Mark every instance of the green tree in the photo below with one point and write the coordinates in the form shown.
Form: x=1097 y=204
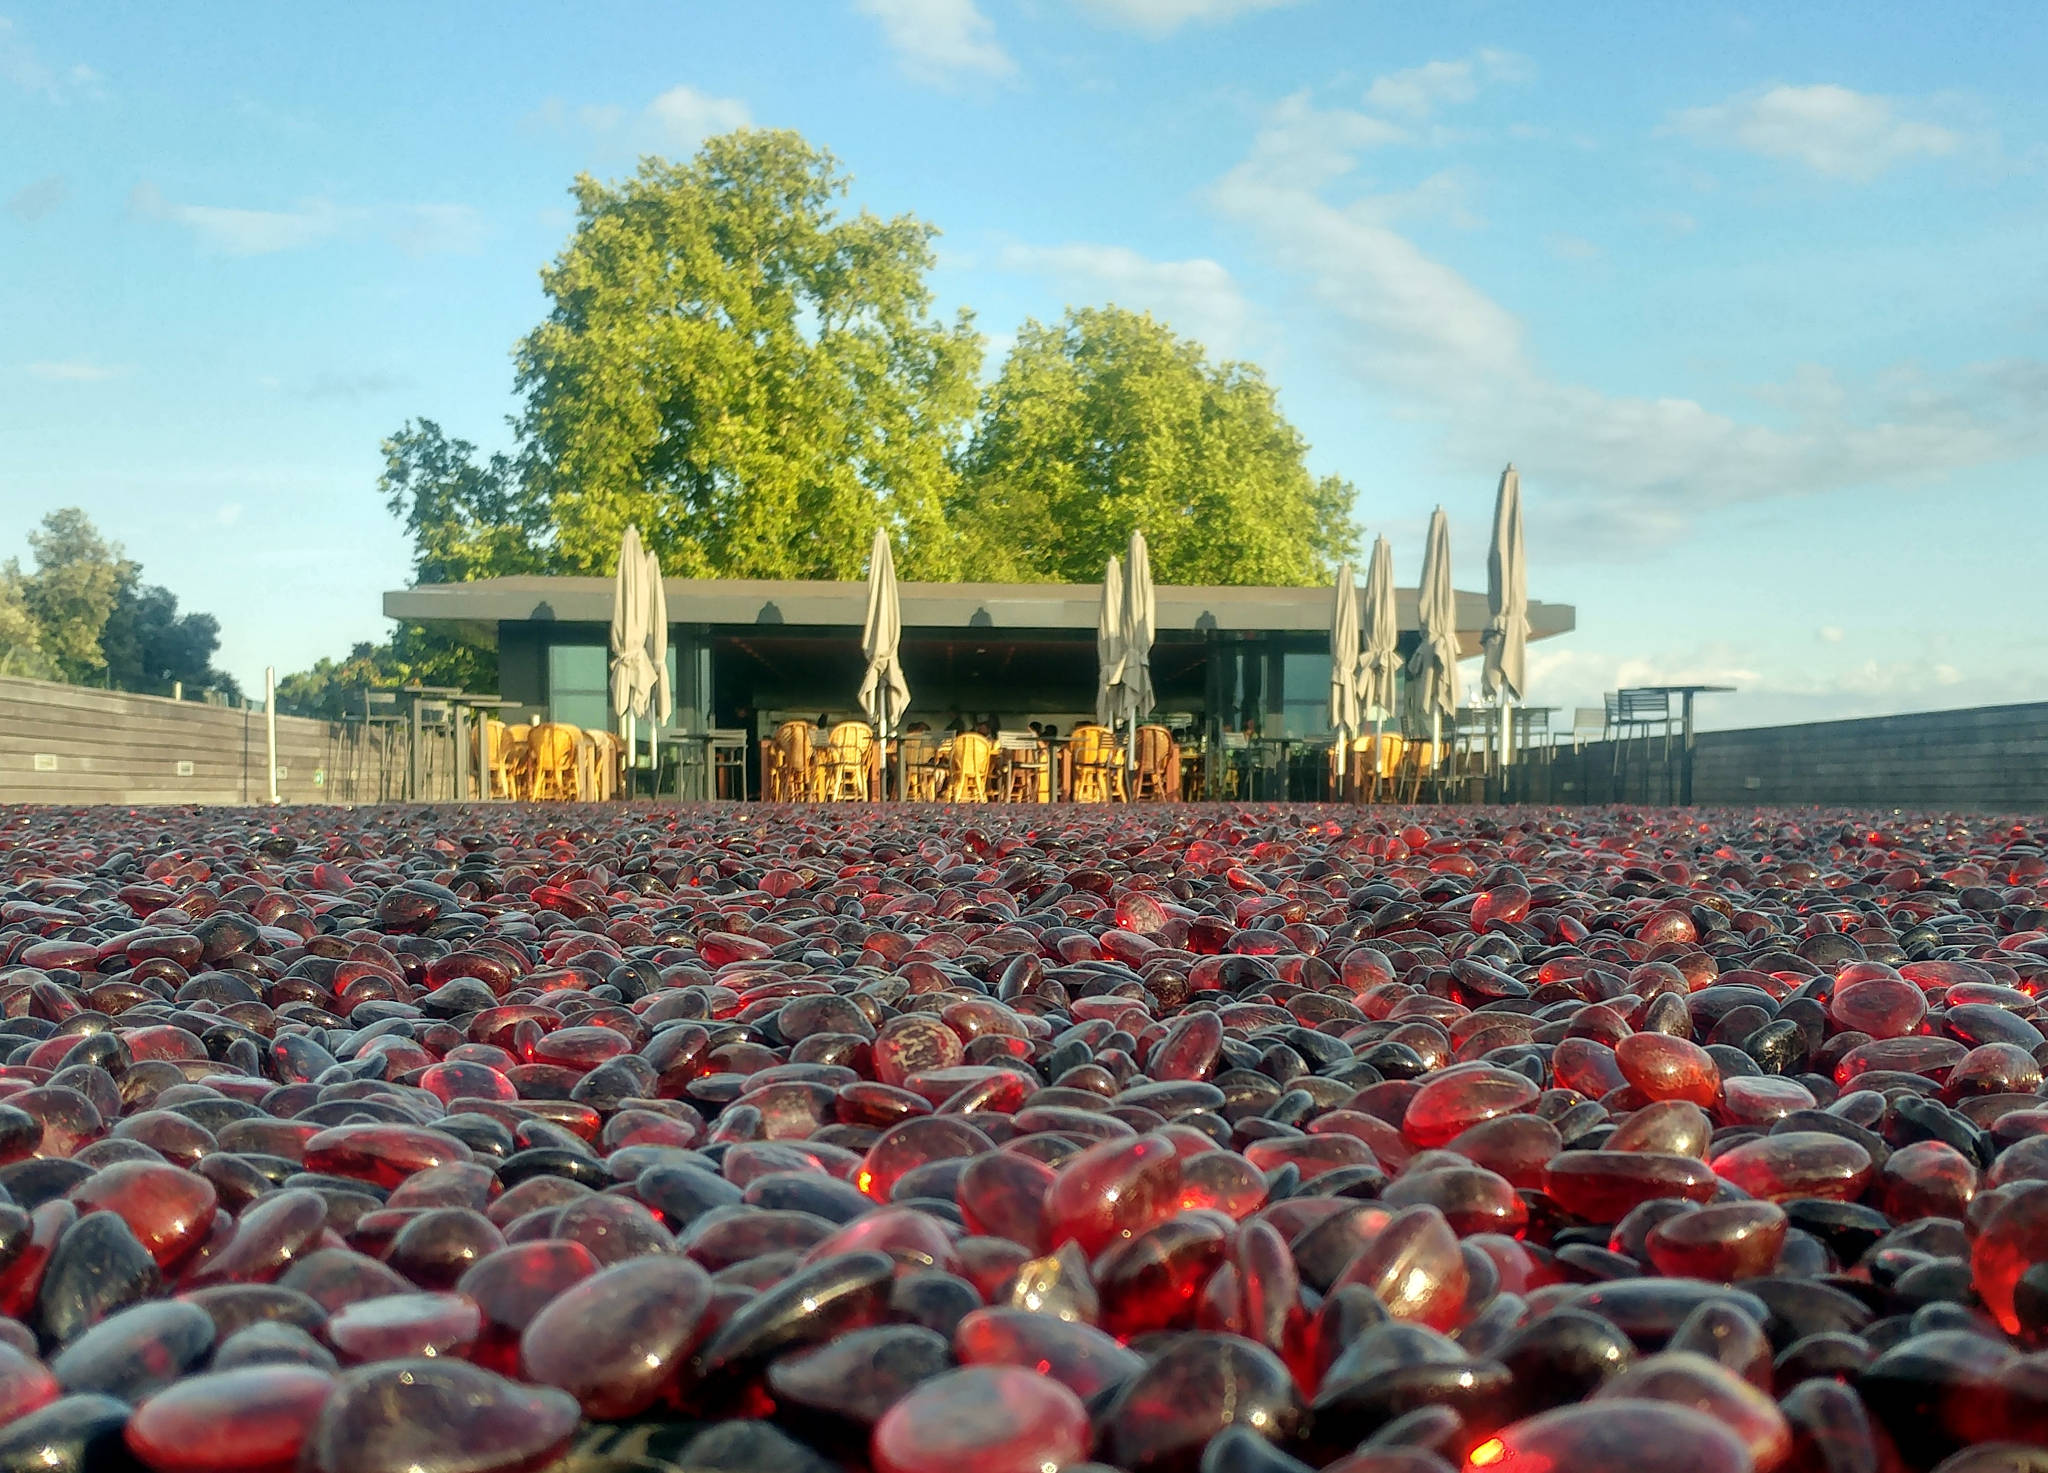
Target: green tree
x=77 y=580
x=150 y=647
x=467 y=517
x=21 y=649
x=750 y=377
x=1110 y=422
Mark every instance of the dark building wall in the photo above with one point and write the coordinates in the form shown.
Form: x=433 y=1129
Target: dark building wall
x=523 y=662
x=1991 y=759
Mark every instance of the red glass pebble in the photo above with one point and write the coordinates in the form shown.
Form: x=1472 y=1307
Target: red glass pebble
x=994 y=1419
x=253 y=1420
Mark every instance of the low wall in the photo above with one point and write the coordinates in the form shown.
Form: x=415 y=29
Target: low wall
x=1984 y=759
x=70 y=744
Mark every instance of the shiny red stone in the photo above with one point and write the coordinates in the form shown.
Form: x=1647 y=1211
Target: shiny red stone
x=169 y=1210
x=1414 y=1266
x=617 y=1340
x=992 y=1418
x=1605 y=1186
x=1080 y=1357
x=1668 y=1068
x=1778 y=1168
x=1733 y=1240
x=1112 y=1191
x=252 y=1420
x=1459 y=1098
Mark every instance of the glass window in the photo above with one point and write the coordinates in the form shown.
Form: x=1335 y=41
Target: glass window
x=1305 y=694
x=580 y=685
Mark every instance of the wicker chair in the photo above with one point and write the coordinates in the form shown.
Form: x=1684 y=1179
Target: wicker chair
x=1157 y=773
x=849 y=759
x=795 y=763
x=554 y=747
x=973 y=754
x=924 y=777
x=1024 y=766
x=1098 y=765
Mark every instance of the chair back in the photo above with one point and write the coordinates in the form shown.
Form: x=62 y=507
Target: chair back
x=1092 y=745
x=795 y=759
x=1611 y=711
x=850 y=741
x=555 y=746
x=1644 y=705
x=972 y=754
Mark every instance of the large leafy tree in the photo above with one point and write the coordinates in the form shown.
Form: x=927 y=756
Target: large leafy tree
x=77 y=579
x=150 y=647
x=21 y=639
x=751 y=377
x=1107 y=422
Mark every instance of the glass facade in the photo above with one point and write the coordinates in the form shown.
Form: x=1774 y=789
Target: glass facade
x=579 y=685
x=1305 y=694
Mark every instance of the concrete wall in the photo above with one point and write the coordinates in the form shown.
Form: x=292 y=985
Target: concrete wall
x=1984 y=759
x=69 y=744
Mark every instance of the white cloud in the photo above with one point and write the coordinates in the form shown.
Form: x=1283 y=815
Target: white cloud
x=1831 y=634
x=1163 y=17
x=76 y=371
x=1196 y=297
x=1420 y=91
x=228 y=513
x=241 y=232
x=430 y=230
x=681 y=117
x=1620 y=469
x=1832 y=130
x=1768 y=691
x=33 y=201
x=23 y=68
x=941 y=42
x=418 y=230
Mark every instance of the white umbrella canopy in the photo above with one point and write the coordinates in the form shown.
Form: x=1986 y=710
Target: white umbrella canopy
x=1109 y=644
x=1506 y=641
x=1344 y=664
x=1433 y=689
x=884 y=693
x=1141 y=620
x=662 y=698
x=1379 y=662
x=632 y=670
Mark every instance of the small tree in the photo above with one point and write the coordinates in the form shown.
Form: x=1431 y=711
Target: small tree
x=1109 y=421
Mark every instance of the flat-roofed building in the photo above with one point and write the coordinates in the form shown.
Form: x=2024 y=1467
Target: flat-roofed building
x=748 y=653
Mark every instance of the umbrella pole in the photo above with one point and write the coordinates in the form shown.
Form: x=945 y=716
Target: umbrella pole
x=1436 y=752
x=653 y=756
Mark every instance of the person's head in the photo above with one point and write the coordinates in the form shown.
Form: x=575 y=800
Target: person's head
x=823 y=719
x=1051 y=732
x=916 y=727
x=1037 y=730
x=982 y=727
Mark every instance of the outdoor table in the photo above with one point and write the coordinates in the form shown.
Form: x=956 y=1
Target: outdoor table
x=1685 y=693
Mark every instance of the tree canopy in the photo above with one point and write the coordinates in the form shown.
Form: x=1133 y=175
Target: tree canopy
x=84 y=615
x=1109 y=422
x=758 y=378
x=753 y=379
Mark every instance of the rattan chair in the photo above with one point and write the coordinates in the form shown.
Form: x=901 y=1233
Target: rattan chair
x=849 y=756
x=1024 y=766
x=1157 y=772
x=554 y=747
x=795 y=762
x=1098 y=765
x=973 y=754
x=924 y=774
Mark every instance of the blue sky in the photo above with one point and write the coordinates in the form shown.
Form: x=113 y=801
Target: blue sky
x=1755 y=300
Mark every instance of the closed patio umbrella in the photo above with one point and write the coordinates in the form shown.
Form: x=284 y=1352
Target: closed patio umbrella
x=632 y=669
x=661 y=698
x=884 y=693
x=1506 y=640
x=1379 y=661
x=1433 y=669
x=1344 y=667
x=1141 y=617
x=1109 y=645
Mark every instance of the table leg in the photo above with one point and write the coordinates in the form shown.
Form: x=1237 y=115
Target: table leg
x=1685 y=750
